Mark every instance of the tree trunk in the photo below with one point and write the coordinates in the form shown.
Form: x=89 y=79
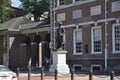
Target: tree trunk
x=36 y=18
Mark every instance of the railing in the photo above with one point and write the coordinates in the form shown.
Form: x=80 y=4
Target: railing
x=72 y=73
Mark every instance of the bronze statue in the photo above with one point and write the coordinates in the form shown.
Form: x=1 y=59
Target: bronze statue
x=60 y=37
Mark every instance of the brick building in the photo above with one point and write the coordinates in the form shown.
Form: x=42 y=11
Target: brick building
x=92 y=30
x=24 y=42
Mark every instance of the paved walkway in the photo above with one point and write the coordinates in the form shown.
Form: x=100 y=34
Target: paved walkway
x=36 y=76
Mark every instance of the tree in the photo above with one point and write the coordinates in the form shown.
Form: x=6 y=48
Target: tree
x=5 y=9
x=36 y=7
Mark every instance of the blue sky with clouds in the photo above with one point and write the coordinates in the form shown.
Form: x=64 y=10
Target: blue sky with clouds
x=16 y=3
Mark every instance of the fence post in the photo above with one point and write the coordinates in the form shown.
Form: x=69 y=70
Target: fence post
x=18 y=73
x=112 y=75
x=56 y=74
x=29 y=73
x=42 y=71
x=90 y=75
x=72 y=74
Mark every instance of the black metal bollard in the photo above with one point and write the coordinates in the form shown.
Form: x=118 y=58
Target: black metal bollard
x=72 y=74
x=18 y=71
x=90 y=75
x=56 y=74
x=42 y=71
x=29 y=73
x=112 y=75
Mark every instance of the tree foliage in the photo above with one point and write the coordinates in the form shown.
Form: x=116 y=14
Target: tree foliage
x=5 y=9
x=36 y=7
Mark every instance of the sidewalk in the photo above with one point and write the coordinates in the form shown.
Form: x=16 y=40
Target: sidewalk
x=36 y=76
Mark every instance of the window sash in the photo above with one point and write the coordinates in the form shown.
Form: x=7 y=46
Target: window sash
x=79 y=0
x=116 y=38
x=77 y=14
x=96 y=40
x=78 y=42
x=61 y=2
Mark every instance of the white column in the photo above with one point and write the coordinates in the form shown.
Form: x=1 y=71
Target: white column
x=6 y=53
x=40 y=55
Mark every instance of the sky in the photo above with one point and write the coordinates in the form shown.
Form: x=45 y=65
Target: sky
x=16 y=3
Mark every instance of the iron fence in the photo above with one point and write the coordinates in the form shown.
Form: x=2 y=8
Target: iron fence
x=90 y=73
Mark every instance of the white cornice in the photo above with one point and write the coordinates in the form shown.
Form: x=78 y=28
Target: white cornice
x=73 y=4
x=89 y=22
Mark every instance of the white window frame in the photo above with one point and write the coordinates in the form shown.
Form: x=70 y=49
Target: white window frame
x=96 y=65
x=95 y=10
x=78 y=1
x=61 y=17
x=92 y=45
x=78 y=13
x=115 y=6
x=113 y=38
x=75 y=43
x=78 y=65
x=58 y=3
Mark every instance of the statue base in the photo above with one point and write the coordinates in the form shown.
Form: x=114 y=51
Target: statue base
x=59 y=62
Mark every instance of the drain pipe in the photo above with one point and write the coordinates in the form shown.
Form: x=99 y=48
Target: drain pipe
x=106 y=36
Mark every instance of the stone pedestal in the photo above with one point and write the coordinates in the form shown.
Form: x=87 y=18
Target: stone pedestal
x=59 y=62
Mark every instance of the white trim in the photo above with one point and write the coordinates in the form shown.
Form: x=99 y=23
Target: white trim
x=115 y=6
x=113 y=46
x=72 y=4
x=95 y=10
x=77 y=14
x=96 y=65
x=74 y=49
x=113 y=37
x=88 y=22
x=58 y=4
x=58 y=1
x=61 y=17
x=92 y=48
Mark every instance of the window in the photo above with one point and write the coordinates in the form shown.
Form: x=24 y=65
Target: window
x=115 y=6
x=116 y=38
x=61 y=17
x=78 y=41
x=96 y=67
x=95 y=10
x=61 y=2
x=79 y=0
x=77 y=67
x=77 y=14
x=96 y=40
